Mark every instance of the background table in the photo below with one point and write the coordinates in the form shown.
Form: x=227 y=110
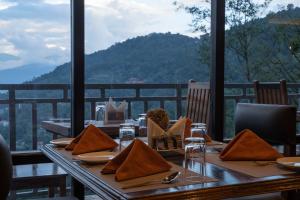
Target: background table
x=64 y=128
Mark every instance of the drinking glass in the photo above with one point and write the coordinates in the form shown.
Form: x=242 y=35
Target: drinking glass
x=194 y=158
x=142 y=125
x=100 y=111
x=198 y=129
x=126 y=133
x=88 y=122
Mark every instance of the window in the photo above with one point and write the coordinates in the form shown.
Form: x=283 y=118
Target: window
x=35 y=50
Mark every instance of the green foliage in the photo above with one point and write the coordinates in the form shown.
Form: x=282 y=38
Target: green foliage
x=140 y=59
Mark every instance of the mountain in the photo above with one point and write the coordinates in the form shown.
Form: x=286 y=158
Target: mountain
x=23 y=73
x=175 y=58
x=154 y=58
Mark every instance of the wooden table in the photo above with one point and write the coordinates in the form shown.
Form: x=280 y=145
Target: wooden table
x=230 y=183
x=64 y=128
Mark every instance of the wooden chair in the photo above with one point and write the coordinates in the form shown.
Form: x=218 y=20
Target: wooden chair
x=198 y=102
x=271 y=93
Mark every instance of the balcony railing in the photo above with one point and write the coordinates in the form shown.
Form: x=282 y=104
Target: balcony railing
x=159 y=95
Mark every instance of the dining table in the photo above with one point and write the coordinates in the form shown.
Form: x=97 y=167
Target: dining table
x=62 y=128
x=223 y=179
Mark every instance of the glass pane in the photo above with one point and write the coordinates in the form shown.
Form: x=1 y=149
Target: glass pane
x=145 y=52
x=262 y=43
x=34 y=56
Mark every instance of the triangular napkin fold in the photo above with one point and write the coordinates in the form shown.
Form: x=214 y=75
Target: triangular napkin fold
x=111 y=106
x=90 y=140
x=247 y=146
x=137 y=160
x=71 y=146
x=187 y=129
x=154 y=131
x=177 y=128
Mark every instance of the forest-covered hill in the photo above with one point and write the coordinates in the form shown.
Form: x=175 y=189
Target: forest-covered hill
x=255 y=50
x=156 y=57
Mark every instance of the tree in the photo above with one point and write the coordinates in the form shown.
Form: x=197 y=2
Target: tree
x=284 y=57
x=241 y=16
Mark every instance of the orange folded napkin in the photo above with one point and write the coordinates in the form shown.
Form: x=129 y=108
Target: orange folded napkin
x=137 y=160
x=91 y=139
x=187 y=131
x=71 y=146
x=247 y=146
x=207 y=138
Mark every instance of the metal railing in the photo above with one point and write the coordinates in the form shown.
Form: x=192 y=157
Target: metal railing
x=144 y=93
x=11 y=99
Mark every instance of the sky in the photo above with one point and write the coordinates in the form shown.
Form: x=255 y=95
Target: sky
x=38 y=31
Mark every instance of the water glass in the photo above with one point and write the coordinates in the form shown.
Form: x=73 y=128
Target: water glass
x=198 y=129
x=88 y=122
x=100 y=111
x=126 y=133
x=142 y=125
x=194 y=158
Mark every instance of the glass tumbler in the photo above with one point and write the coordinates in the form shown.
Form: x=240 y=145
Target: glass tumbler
x=142 y=125
x=194 y=159
x=126 y=133
x=198 y=129
x=100 y=111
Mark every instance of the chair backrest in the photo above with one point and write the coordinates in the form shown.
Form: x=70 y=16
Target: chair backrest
x=271 y=93
x=274 y=123
x=5 y=169
x=198 y=102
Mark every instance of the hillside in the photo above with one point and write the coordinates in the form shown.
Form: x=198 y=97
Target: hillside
x=177 y=58
x=23 y=73
x=174 y=56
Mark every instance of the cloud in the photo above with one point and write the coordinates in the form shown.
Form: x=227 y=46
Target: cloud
x=8 y=47
x=57 y=2
x=27 y=29
x=5 y=5
x=117 y=20
x=38 y=31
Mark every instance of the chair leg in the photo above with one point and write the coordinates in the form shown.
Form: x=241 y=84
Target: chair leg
x=62 y=187
x=51 y=191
